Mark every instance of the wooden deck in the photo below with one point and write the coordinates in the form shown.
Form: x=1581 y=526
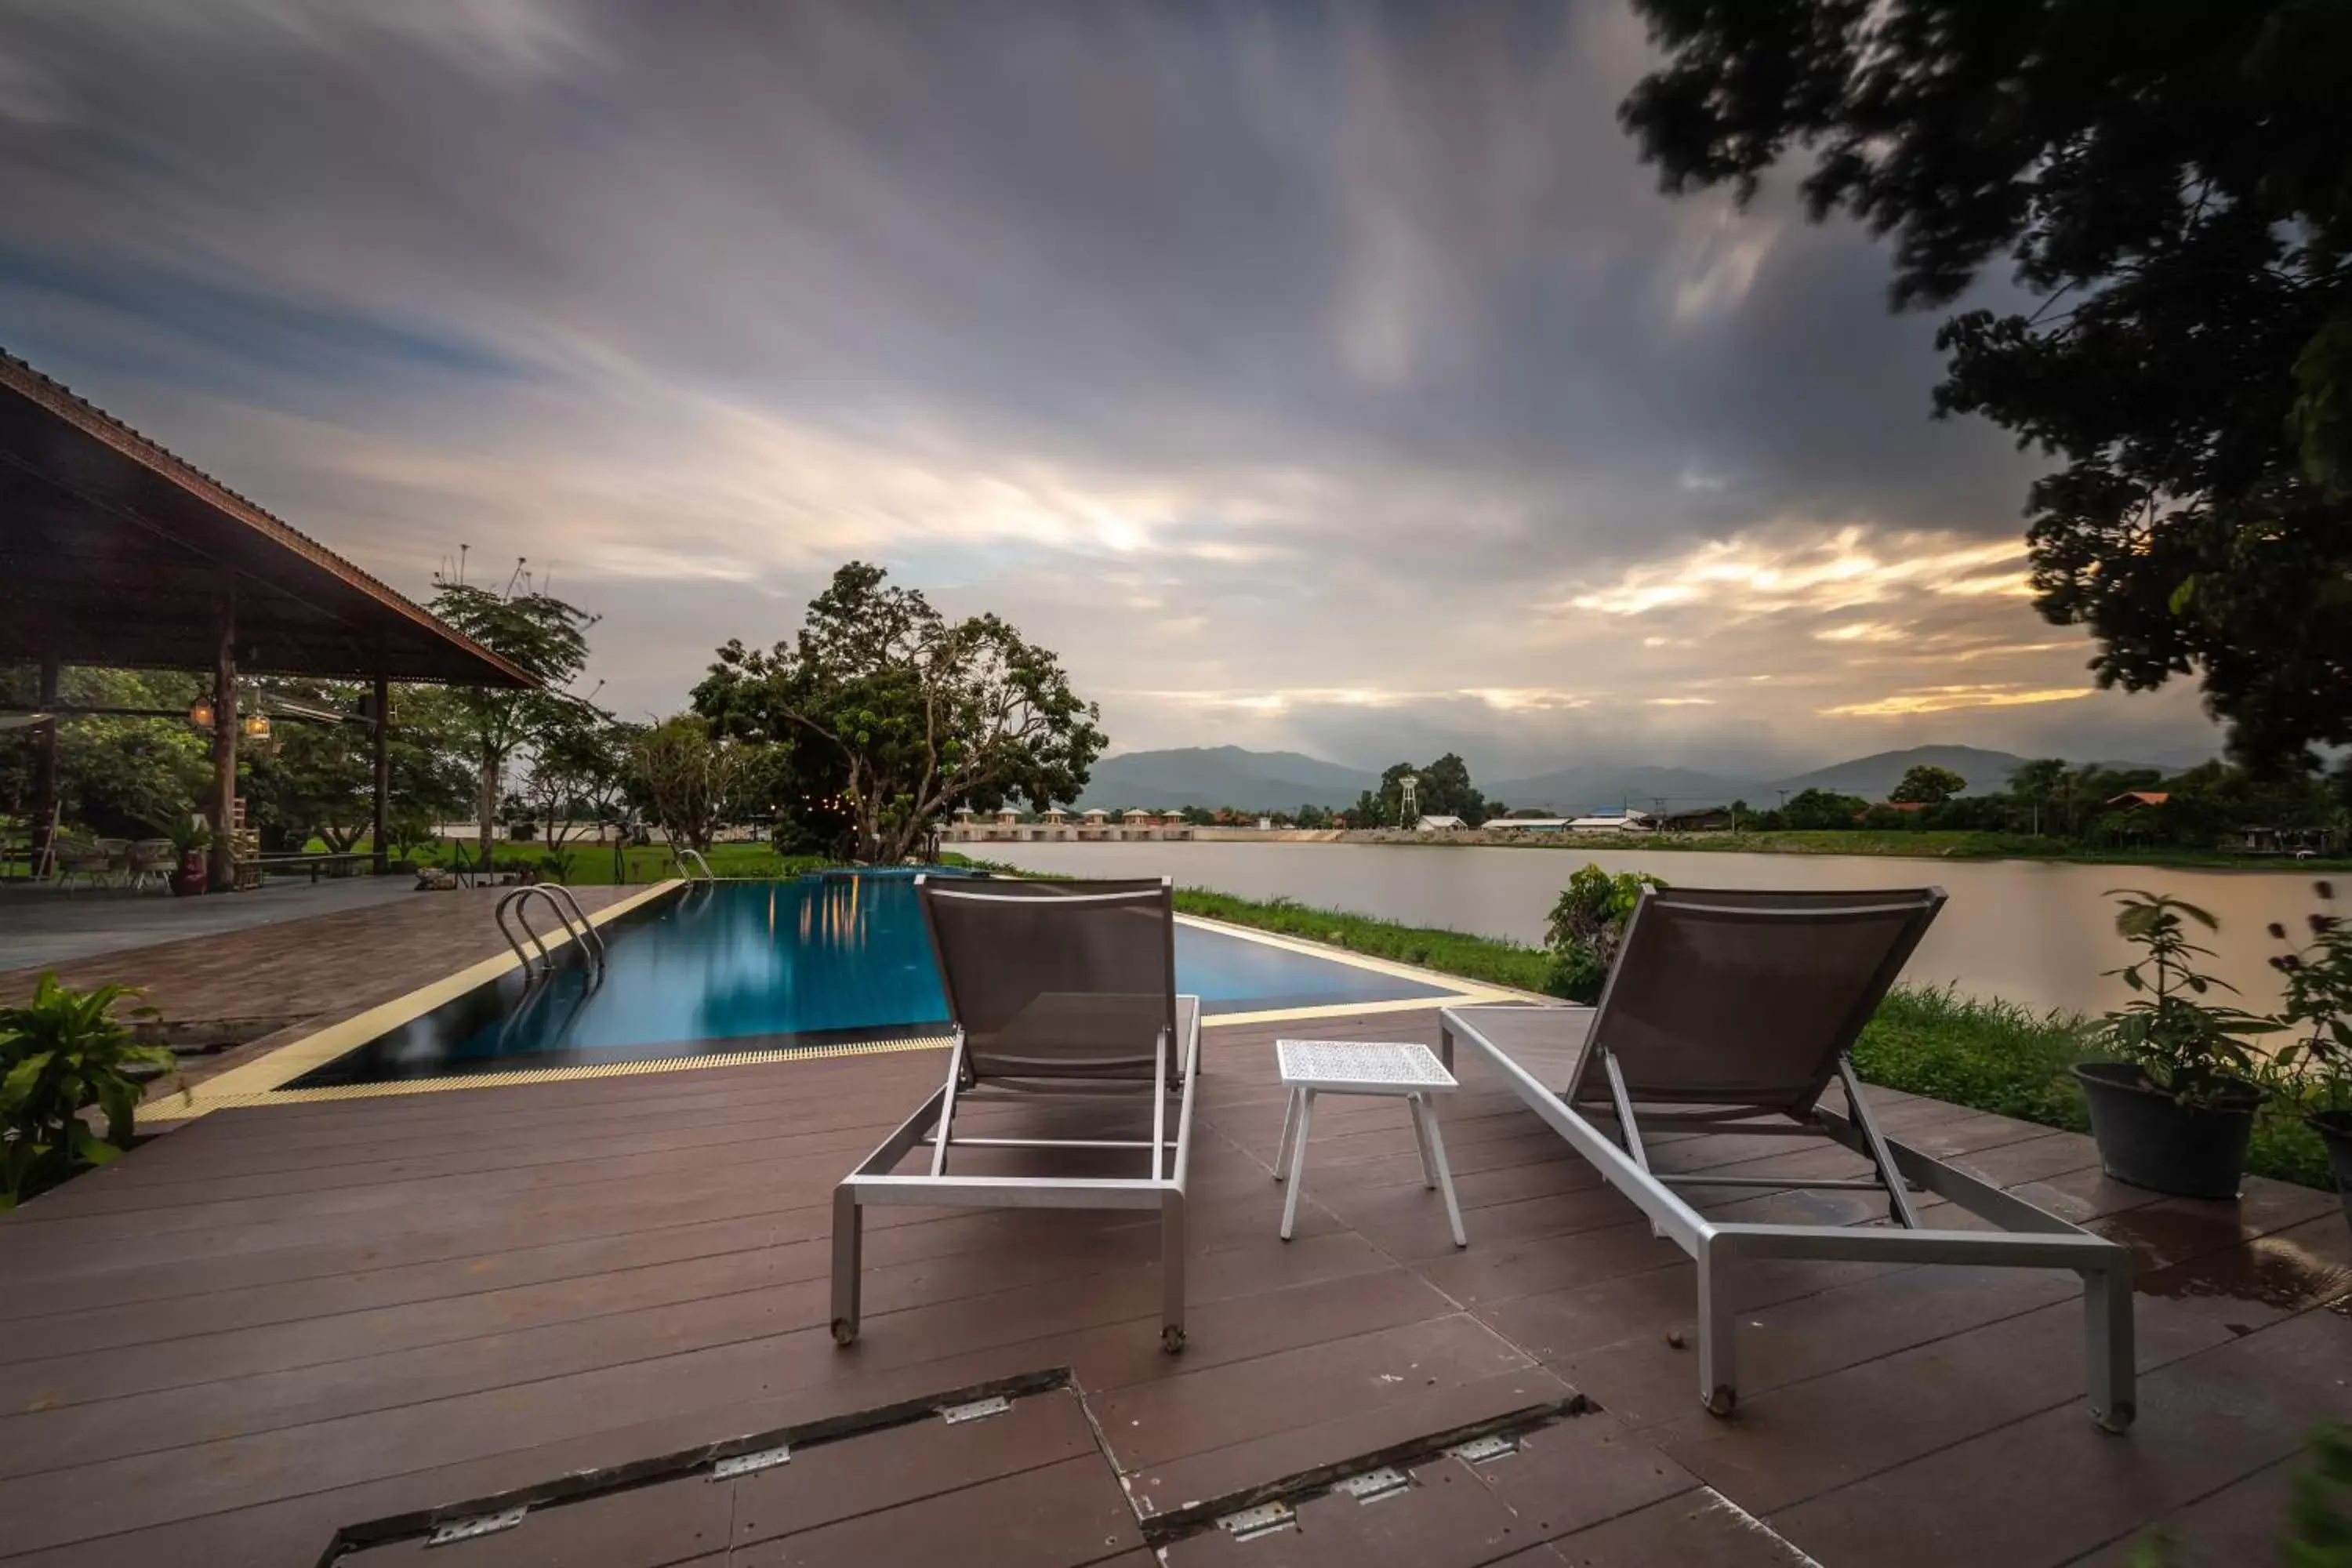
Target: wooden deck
x=277 y=1322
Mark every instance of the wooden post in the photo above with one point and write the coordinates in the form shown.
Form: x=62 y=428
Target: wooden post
x=224 y=807
x=382 y=715
x=41 y=846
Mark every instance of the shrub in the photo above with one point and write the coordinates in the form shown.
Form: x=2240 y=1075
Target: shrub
x=60 y=1054
x=1587 y=924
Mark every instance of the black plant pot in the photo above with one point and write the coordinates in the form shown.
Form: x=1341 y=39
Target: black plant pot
x=2334 y=1127
x=2150 y=1140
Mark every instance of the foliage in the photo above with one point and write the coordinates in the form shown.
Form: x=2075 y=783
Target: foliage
x=2319 y=1004
x=895 y=715
x=1586 y=925
x=1441 y=788
x=535 y=630
x=580 y=771
x=2173 y=192
x=117 y=778
x=2193 y=1051
x=1820 y=808
x=63 y=1053
x=589 y=864
x=694 y=783
x=1927 y=785
x=2319 y=1520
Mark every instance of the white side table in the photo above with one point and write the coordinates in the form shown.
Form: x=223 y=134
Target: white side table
x=1399 y=1070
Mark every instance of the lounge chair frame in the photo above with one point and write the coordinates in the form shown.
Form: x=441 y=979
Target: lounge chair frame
x=1176 y=1071
x=2027 y=1237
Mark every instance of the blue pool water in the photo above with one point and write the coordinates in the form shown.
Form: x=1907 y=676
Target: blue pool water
x=746 y=965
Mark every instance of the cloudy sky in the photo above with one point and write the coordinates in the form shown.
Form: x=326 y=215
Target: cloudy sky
x=1330 y=378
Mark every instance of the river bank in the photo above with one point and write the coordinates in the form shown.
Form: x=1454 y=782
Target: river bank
x=1926 y=844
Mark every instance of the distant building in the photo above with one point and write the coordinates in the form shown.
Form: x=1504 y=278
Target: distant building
x=1524 y=825
x=1613 y=821
x=2138 y=799
x=1440 y=824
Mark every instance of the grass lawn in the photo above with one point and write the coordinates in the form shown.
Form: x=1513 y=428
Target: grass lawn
x=590 y=864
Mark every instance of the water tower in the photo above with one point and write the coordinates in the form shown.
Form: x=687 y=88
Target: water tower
x=1409 y=802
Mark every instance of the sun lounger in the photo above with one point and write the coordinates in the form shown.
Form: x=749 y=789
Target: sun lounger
x=1732 y=1012
x=1063 y=997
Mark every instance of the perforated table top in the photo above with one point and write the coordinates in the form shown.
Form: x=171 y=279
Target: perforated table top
x=1362 y=1067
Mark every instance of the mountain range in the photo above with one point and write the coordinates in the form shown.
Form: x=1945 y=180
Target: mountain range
x=1212 y=776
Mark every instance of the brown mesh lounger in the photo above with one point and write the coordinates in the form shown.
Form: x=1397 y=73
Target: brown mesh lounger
x=1733 y=1012
x=1062 y=994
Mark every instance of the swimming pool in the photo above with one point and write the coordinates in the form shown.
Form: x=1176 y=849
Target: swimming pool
x=736 y=965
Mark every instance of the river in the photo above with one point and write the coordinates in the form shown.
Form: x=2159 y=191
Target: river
x=2028 y=930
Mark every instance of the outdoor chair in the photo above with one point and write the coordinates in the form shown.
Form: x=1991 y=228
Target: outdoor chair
x=83 y=857
x=118 y=860
x=1733 y=1012
x=153 y=859
x=1063 y=997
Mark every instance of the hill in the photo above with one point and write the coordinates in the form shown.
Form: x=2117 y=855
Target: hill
x=1873 y=776
x=1211 y=776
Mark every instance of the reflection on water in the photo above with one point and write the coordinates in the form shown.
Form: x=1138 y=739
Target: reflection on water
x=2031 y=931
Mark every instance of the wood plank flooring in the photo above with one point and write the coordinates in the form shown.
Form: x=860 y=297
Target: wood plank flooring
x=281 y=1320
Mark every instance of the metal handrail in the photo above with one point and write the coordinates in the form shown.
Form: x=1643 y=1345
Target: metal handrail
x=590 y=941
x=589 y=935
x=683 y=855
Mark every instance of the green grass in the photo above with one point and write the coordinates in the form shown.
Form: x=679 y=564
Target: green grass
x=1989 y=1055
x=591 y=863
x=1449 y=952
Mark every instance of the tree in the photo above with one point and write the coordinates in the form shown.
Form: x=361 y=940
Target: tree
x=2170 y=183
x=908 y=714
x=1819 y=809
x=541 y=633
x=1927 y=785
x=694 y=783
x=580 y=771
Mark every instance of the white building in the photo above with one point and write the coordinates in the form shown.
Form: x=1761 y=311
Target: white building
x=1440 y=824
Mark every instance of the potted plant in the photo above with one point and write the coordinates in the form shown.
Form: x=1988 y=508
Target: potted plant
x=61 y=1054
x=191 y=837
x=2172 y=1110
x=2319 y=1005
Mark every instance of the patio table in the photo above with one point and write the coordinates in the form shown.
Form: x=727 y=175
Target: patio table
x=1394 y=1069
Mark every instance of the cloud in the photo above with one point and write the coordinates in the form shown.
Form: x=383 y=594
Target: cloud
x=1328 y=377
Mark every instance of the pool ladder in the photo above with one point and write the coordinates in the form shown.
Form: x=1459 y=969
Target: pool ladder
x=683 y=855
x=567 y=912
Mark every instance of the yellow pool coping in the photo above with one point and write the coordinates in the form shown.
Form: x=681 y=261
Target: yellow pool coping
x=263 y=1080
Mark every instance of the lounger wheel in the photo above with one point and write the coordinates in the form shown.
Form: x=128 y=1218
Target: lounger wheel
x=2120 y=1418
x=1171 y=1338
x=1723 y=1401
x=845 y=1333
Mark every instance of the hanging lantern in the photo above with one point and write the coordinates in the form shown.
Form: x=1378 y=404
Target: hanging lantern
x=200 y=713
x=256 y=726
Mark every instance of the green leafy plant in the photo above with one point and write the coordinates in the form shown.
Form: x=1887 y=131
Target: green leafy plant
x=2319 y=1005
x=188 y=834
x=1586 y=926
x=61 y=1054
x=2193 y=1051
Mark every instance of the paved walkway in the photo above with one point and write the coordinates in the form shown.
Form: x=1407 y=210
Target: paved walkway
x=257 y=985
x=42 y=926
x=279 y=1321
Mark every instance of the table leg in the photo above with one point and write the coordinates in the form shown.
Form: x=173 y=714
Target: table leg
x=1289 y=1121
x=1413 y=1104
x=1297 y=1161
x=1425 y=1115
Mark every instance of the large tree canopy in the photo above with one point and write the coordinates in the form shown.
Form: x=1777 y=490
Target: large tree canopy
x=2173 y=181
x=912 y=714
